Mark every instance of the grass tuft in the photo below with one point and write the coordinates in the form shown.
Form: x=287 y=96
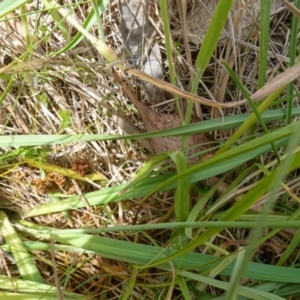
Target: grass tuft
x=90 y=210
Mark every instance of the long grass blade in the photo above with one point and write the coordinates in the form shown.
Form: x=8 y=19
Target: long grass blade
x=110 y=248
x=26 y=266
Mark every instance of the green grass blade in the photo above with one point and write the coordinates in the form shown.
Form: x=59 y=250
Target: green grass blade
x=292 y=55
x=196 y=210
x=249 y=293
x=182 y=194
x=146 y=169
x=208 y=46
x=290 y=248
x=250 y=121
x=275 y=222
x=232 y=158
x=87 y=25
x=56 y=17
x=212 y=167
x=265 y=11
x=203 y=126
x=25 y=286
x=213 y=33
x=237 y=209
x=169 y=47
x=290 y=162
x=26 y=266
x=99 y=21
x=8 y=6
x=251 y=103
x=181 y=199
x=183 y=287
x=130 y=252
x=232 y=289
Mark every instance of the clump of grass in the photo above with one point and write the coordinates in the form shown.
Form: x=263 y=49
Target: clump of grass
x=87 y=212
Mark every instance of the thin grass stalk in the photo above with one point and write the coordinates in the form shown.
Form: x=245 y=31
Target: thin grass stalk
x=8 y=87
x=99 y=20
x=250 y=121
x=226 y=261
x=51 y=6
x=131 y=285
x=196 y=210
x=224 y=199
x=182 y=194
x=265 y=11
x=29 y=76
x=181 y=282
x=276 y=222
x=208 y=46
x=265 y=7
x=290 y=250
x=292 y=56
x=232 y=290
x=169 y=52
x=251 y=103
x=274 y=231
x=203 y=126
x=25 y=25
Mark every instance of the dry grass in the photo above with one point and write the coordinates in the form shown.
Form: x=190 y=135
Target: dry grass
x=75 y=92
